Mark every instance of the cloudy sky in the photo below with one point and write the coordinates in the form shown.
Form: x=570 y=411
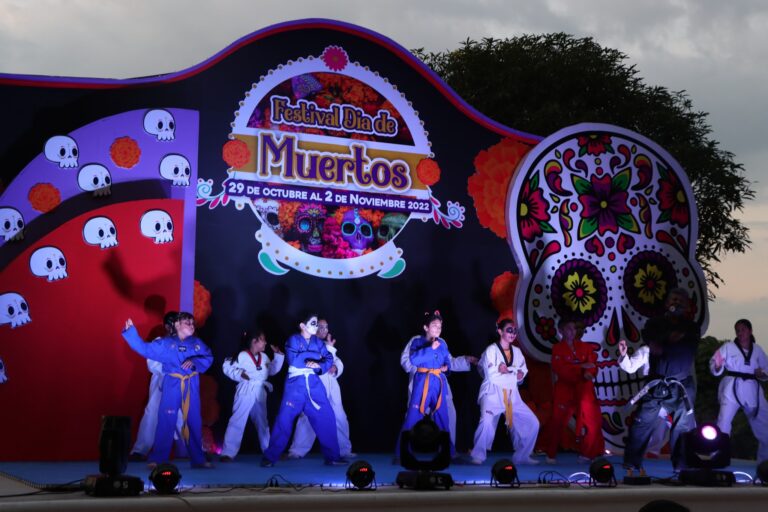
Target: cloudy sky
x=715 y=50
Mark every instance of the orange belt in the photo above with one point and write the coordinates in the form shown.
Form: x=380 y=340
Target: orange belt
x=185 y=397
x=431 y=371
x=508 y=408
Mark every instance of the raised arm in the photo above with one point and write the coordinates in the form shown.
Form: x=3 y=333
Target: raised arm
x=276 y=364
x=717 y=361
x=155 y=350
x=631 y=364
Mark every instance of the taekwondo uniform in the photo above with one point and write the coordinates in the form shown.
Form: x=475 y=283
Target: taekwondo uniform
x=304 y=392
x=304 y=436
x=575 y=394
x=250 y=397
x=739 y=388
x=458 y=364
x=429 y=384
x=499 y=395
x=145 y=437
x=669 y=385
x=180 y=390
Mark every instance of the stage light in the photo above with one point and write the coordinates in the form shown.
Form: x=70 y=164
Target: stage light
x=434 y=445
x=504 y=472
x=761 y=475
x=707 y=447
x=165 y=477
x=361 y=475
x=114 y=444
x=601 y=473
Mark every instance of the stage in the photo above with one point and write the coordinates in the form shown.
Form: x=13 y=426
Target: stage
x=308 y=484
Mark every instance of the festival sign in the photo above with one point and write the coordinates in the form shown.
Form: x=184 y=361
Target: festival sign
x=334 y=161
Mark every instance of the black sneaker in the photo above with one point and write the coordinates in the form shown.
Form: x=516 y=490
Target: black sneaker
x=266 y=463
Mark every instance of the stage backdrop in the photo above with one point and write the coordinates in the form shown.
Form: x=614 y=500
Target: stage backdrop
x=312 y=165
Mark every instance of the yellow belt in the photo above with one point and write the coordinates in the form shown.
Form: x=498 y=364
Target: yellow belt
x=431 y=371
x=185 y=397
x=508 y=408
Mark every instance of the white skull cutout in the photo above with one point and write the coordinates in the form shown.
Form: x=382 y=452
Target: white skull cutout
x=160 y=123
x=48 y=262
x=177 y=169
x=14 y=310
x=603 y=224
x=11 y=224
x=3 y=376
x=62 y=150
x=95 y=178
x=157 y=225
x=100 y=231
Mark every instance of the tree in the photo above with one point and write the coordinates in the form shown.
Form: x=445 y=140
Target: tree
x=541 y=83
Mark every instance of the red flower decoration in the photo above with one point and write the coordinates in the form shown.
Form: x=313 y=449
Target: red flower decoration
x=202 y=304
x=545 y=327
x=594 y=144
x=488 y=187
x=44 y=197
x=236 y=153
x=604 y=204
x=125 y=152
x=533 y=211
x=428 y=171
x=673 y=201
x=503 y=294
x=335 y=58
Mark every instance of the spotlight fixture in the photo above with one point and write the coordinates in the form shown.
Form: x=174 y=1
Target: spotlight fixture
x=114 y=443
x=761 y=476
x=707 y=450
x=165 y=477
x=433 y=446
x=360 y=475
x=504 y=472
x=601 y=473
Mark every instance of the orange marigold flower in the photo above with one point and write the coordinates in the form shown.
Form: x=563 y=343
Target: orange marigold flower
x=428 y=171
x=286 y=214
x=295 y=244
x=488 y=186
x=202 y=304
x=236 y=153
x=44 y=197
x=125 y=152
x=503 y=293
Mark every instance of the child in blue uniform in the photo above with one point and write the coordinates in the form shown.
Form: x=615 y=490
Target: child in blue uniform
x=183 y=356
x=429 y=354
x=307 y=358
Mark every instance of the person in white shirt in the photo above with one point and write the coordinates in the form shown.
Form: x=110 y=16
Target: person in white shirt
x=304 y=436
x=250 y=369
x=504 y=368
x=743 y=364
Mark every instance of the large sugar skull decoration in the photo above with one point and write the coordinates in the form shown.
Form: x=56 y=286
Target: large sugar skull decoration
x=390 y=226
x=356 y=231
x=603 y=224
x=11 y=224
x=308 y=227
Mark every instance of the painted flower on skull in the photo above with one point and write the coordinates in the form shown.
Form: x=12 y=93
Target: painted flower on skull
x=648 y=278
x=604 y=204
x=533 y=211
x=579 y=290
x=672 y=201
x=594 y=144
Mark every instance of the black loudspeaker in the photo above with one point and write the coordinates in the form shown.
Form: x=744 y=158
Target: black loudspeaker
x=114 y=444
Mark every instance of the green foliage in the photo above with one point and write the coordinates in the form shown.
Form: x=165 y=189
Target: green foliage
x=542 y=83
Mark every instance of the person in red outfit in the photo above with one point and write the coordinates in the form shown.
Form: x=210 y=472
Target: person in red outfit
x=573 y=364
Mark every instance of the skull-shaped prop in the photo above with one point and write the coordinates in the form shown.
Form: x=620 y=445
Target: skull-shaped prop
x=62 y=150
x=160 y=123
x=308 y=226
x=3 y=376
x=356 y=231
x=100 y=231
x=11 y=224
x=390 y=226
x=95 y=178
x=603 y=225
x=157 y=225
x=269 y=212
x=13 y=310
x=176 y=168
x=48 y=262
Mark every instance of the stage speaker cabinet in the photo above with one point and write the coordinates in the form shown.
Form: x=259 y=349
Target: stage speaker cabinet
x=707 y=477
x=424 y=480
x=119 y=485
